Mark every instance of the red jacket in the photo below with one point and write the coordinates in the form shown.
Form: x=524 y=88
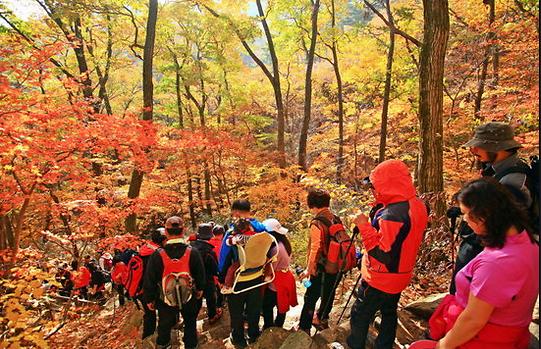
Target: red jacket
x=81 y=278
x=393 y=239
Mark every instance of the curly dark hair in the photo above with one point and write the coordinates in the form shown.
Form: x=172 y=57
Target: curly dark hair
x=493 y=203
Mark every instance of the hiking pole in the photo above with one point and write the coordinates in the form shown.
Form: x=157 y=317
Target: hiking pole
x=340 y=271
x=349 y=298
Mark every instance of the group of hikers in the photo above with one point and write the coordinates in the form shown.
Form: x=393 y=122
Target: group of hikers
x=246 y=264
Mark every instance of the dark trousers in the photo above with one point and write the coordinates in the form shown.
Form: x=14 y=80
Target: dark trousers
x=322 y=287
x=210 y=297
x=168 y=317
x=369 y=301
x=149 y=319
x=120 y=290
x=219 y=297
x=469 y=248
x=251 y=302
x=270 y=301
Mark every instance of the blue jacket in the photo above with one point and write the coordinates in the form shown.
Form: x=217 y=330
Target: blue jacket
x=225 y=250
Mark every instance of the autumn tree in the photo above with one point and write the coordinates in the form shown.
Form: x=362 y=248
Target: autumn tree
x=431 y=62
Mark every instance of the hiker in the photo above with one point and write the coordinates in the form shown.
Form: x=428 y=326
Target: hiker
x=218 y=232
x=244 y=297
x=322 y=281
x=81 y=279
x=282 y=292
x=140 y=261
x=175 y=270
x=497 y=291
x=494 y=146
x=63 y=276
x=105 y=261
x=391 y=242
x=239 y=209
x=97 y=282
x=204 y=234
x=119 y=274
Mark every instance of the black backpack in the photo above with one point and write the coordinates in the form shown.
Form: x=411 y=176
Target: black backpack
x=532 y=183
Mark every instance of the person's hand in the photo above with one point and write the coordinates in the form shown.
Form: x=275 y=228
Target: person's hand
x=151 y=306
x=360 y=219
x=304 y=275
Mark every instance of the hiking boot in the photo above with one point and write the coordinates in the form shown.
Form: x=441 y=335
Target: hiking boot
x=215 y=318
x=320 y=324
x=238 y=344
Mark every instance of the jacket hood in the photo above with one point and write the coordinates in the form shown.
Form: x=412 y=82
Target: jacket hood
x=392 y=182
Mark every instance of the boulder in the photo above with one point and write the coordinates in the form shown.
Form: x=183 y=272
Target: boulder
x=272 y=338
x=424 y=307
x=534 y=338
x=297 y=340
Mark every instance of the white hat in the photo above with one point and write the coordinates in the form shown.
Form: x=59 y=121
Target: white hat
x=272 y=224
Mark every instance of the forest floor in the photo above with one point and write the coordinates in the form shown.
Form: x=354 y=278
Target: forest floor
x=109 y=326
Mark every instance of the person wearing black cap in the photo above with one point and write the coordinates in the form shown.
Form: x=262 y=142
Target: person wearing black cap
x=175 y=248
x=206 y=249
x=496 y=150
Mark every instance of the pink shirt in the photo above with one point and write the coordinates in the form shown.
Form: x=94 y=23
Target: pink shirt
x=507 y=278
x=282 y=262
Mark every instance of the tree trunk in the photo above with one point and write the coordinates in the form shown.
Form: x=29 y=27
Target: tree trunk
x=432 y=58
x=179 y=100
x=308 y=88
x=493 y=37
x=387 y=90
x=490 y=49
x=190 y=196
x=78 y=48
x=148 y=91
x=276 y=86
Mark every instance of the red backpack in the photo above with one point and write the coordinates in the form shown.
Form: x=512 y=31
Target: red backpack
x=177 y=282
x=336 y=241
x=134 y=281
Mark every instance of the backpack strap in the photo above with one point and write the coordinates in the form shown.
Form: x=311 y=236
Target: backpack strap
x=521 y=167
x=325 y=231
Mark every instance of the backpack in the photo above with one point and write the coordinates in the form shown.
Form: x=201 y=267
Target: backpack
x=338 y=253
x=134 y=281
x=532 y=183
x=177 y=282
x=118 y=273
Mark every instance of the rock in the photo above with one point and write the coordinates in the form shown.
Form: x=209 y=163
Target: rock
x=535 y=315
x=272 y=338
x=297 y=340
x=425 y=306
x=534 y=338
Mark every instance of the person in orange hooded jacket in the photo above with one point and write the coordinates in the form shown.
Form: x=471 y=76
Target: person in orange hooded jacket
x=391 y=242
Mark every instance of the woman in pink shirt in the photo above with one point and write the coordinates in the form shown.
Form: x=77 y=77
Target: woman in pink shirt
x=281 y=293
x=497 y=290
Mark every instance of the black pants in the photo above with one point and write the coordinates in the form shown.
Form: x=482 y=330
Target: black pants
x=219 y=297
x=251 y=302
x=120 y=290
x=269 y=302
x=149 y=319
x=322 y=287
x=168 y=317
x=469 y=248
x=369 y=301
x=210 y=297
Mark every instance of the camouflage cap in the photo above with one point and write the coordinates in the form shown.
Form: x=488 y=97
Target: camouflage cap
x=493 y=137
